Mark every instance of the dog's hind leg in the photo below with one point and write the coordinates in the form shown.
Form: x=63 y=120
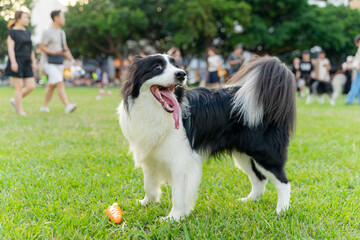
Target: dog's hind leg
x=258 y=181
x=151 y=186
x=282 y=185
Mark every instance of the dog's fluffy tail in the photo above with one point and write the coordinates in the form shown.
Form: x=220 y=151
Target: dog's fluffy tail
x=267 y=94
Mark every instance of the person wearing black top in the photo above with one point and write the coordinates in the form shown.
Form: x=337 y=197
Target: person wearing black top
x=306 y=68
x=22 y=63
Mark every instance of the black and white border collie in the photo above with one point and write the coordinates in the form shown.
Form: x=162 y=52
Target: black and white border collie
x=170 y=129
x=319 y=89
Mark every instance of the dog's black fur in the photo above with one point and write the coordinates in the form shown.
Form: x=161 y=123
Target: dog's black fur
x=320 y=88
x=210 y=124
x=211 y=128
x=254 y=115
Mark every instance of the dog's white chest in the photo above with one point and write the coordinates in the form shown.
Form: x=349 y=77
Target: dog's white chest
x=144 y=126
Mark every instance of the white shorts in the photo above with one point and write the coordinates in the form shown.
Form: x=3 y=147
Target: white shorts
x=54 y=72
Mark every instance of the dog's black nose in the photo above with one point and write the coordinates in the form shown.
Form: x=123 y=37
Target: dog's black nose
x=180 y=75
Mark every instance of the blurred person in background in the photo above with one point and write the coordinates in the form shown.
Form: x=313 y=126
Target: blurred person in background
x=98 y=78
x=236 y=59
x=295 y=69
x=347 y=69
x=322 y=84
x=214 y=64
x=322 y=67
x=104 y=83
x=105 y=79
x=355 y=85
x=54 y=49
x=193 y=71
x=22 y=63
x=306 y=68
x=340 y=78
x=125 y=66
x=197 y=70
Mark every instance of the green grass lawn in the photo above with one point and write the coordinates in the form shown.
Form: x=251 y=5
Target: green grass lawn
x=59 y=173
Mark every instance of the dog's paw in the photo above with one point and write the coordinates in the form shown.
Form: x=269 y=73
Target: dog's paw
x=251 y=197
x=245 y=199
x=174 y=215
x=282 y=209
x=254 y=195
x=143 y=202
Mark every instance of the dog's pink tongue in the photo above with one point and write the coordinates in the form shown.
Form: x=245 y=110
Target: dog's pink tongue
x=170 y=96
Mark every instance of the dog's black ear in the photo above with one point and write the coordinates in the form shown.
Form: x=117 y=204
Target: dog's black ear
x=131 y=86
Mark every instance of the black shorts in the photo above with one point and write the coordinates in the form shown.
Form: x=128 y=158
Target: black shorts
x=24 y=69
x=213 y=77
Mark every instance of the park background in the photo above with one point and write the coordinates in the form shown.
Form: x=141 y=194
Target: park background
x=58 y=173
x=105 y=32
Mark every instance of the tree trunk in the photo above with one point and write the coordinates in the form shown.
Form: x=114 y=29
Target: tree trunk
x=112 y=49
x=208 y=43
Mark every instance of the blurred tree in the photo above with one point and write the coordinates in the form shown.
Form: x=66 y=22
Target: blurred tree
x=199 y=24
x=105 y=25
x=7 y=10
x=279 y=27
x=332 y=28
x=8 y=7
x=275 y=25
x=3 y=35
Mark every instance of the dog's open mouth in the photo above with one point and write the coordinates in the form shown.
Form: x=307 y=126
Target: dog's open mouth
x=165 y=96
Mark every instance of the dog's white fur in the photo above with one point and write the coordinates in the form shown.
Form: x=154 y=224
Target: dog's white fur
x=151 y=133
x=338 y=83
x=247 y=106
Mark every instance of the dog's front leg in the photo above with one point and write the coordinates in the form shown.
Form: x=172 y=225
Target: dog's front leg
x=178 y=199
x=151 y=187
x=185 y=186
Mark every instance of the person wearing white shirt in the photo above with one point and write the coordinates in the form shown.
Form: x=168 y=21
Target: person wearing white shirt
x=214 y=63
x=322 y=84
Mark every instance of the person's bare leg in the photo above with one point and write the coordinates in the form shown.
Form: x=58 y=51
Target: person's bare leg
x=48 y=94
x=202 y=83
x=302 y=92
x=215 y=85
x=29 y=86
x=18 y=85
x=62 y=93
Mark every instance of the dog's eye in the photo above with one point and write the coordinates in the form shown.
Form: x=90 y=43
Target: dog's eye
x=158 y=67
